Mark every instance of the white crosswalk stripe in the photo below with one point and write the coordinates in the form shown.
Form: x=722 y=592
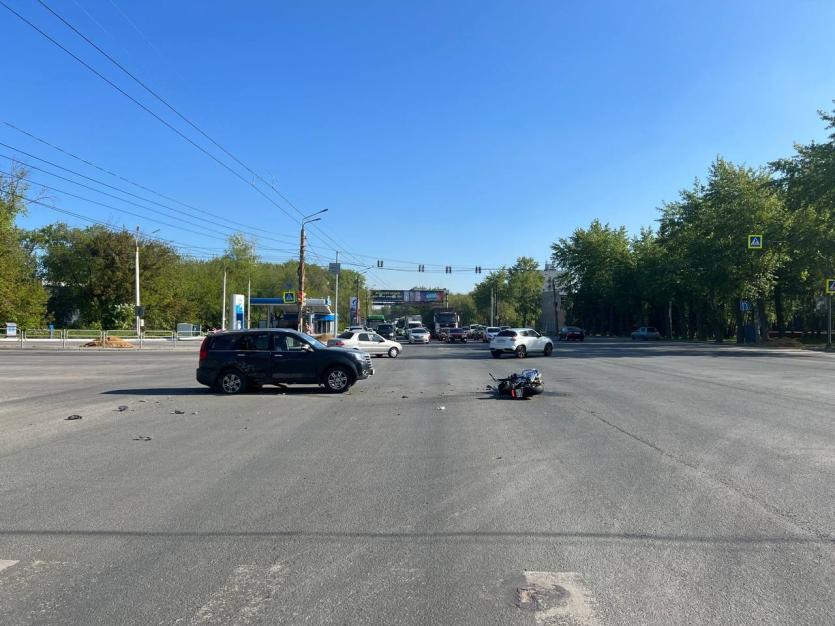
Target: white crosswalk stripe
x=5 y=564
x=242 y=599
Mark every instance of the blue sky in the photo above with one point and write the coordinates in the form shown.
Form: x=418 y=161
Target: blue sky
x=444 y=133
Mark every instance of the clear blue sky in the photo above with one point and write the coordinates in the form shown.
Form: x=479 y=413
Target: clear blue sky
x=489 y=128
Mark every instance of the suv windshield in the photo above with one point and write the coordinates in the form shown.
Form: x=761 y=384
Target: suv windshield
x=507 y=333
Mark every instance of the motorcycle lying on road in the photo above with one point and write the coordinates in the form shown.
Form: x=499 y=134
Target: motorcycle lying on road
x=519 y=386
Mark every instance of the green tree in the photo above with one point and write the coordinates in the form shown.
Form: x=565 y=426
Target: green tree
x=22 y=295
x=525 y=284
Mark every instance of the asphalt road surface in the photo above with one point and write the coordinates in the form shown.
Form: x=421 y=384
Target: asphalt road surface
x=650 y=484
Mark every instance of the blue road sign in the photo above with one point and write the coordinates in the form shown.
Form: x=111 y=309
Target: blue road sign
x=755 y=242
x=830 y=286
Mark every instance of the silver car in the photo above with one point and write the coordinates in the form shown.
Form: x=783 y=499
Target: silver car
x=645 y=333
x=418 y=335
x=367 y=341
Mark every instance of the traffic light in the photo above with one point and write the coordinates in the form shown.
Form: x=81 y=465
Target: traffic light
x=478 y=269
x=421 y=268
x=380 y=263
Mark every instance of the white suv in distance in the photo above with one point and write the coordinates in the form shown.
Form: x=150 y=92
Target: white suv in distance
x=521 y=342
x=489 y=333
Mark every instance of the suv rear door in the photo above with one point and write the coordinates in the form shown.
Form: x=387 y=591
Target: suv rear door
x=253 y=352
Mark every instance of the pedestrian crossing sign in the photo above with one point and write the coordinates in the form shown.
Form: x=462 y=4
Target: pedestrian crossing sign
x=289 y=297
x=755 y=242
x=830 y=286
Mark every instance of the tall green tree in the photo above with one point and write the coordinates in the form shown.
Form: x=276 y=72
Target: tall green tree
x=22 y=295
x=525 y=283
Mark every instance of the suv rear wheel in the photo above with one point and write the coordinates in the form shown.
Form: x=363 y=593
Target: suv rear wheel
x=549 y=348
x=337 y=379
x=521 y=352
x=231 y=382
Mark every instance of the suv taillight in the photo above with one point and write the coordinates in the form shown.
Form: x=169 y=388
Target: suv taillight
x=204 y=349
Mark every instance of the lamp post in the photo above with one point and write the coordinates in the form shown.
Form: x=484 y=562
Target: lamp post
x=300 y=298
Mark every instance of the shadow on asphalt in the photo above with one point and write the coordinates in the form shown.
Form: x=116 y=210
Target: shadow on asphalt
x=478 y=535
x=606 y=349
x=203 y=391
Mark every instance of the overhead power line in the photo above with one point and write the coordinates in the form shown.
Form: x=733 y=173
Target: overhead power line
x=317 y=228
x=155 y=192
x=147 y=110
x=221 y=224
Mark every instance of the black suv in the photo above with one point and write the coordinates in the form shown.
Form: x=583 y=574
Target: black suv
x=387 y=331
x=231 y=362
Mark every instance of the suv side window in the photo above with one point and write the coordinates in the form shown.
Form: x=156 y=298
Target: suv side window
x=255 y=341
x=290 y=343
x=225 y=342
x=533 y=333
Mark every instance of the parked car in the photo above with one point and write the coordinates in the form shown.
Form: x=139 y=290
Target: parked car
x=386 y=331
x=418 y=335
x=489 y=333
x=571 y=333
x=645 y=333
x=367 y=341
x=521 y=342
x=232 y=362
x=456 y=334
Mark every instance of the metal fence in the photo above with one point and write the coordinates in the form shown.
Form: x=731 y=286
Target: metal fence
x=90 y=338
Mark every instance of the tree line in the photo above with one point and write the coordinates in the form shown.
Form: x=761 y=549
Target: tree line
x=694 y=275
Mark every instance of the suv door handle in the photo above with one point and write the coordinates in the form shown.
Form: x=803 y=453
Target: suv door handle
x=277 y=354
x=241 y=354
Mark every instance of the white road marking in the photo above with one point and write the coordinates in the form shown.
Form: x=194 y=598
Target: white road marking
x=242 y=599
x=558 y=599
x=5 y=564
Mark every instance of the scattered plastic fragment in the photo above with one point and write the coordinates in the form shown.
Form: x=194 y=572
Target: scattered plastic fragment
x=73 y=417
x=122 y=408
x=142 y=438
x=178 y=412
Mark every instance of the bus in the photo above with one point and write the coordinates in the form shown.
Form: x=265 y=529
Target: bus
x=375 y=320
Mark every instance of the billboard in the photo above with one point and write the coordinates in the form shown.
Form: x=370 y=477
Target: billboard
x=380 y=297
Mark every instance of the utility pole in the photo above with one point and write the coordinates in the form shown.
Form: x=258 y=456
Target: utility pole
x=492 y=300
x=223 y=304
x=556 y=305
x=336 y=299
x=357 y=314
x=248 y=299
x=136 y=280
x=300 y=296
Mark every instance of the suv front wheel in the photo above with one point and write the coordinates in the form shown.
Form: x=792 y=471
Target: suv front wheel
x=337 y=379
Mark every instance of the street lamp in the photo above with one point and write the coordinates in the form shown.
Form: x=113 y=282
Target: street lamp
x=300 y=299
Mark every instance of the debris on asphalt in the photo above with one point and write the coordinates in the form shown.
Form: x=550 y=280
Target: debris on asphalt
x=122 y=408
x=142 y=438
x=73 y=417
x=195 y=412
x=109 y=342
x=178 y=412
x=441 y=408
x=404 y=396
